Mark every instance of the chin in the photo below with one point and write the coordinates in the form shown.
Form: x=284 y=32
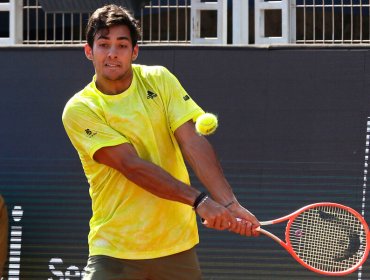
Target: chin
x=114 y=77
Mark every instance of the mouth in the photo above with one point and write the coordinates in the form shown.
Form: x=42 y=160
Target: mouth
x=112 y=65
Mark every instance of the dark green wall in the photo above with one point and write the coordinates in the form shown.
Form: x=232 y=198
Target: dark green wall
x=293 y=128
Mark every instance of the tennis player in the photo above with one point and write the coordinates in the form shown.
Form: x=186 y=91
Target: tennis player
x=132 y=127
x=4 y=226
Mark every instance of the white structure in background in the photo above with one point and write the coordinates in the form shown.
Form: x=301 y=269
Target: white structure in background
x=15 y=244
x=288 y=21
x=299 y=21
x=241 y=22
x=196 y=20
x=15 y=10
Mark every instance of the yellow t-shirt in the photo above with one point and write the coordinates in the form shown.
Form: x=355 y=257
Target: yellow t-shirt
x=128 y=222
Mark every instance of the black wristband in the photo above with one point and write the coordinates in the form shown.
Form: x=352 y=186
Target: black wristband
x=199 y=199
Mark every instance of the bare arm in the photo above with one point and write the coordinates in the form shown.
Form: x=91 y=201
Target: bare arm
x=201 y=157
x=145 y=174
x=157 y=181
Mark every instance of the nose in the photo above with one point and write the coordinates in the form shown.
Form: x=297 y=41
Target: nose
x=112 y=52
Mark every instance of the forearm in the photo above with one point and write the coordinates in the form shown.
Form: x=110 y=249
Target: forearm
x=145 y=174
x=203 y=160
x=159 y=182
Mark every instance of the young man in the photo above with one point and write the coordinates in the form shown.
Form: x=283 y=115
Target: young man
x=132 y=127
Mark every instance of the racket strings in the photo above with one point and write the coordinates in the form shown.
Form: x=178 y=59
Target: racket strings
x=328 y=238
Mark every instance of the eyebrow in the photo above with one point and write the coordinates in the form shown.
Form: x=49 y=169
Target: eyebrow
x=102 y=37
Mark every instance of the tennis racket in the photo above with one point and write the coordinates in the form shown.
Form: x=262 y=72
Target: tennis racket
x=327 y=238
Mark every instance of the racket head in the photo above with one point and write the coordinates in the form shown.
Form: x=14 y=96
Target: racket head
x=328 y=238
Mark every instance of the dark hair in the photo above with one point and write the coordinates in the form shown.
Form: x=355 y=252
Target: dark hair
x=111 y=15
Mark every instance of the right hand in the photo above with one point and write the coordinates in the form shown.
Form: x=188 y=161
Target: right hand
x=216 y=216
x=246 y=223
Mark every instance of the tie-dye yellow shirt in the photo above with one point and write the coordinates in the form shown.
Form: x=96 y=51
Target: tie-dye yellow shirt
x=129 y=222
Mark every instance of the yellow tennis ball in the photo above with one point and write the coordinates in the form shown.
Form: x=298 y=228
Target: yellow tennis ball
x=206 y=124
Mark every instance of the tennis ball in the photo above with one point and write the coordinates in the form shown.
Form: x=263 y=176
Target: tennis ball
x=206 y=124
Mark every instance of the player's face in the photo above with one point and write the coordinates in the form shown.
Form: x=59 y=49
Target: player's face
x=112 y=54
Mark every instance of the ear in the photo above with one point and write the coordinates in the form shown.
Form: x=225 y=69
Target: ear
x=135 y=52
x=88 y=52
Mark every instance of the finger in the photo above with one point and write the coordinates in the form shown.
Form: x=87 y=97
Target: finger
x=250 y=217
x=225 y=225
x=241 y=227
x=248 y=228
x=255 y=231
x=219 y=223
x=238 y=227
x=222 y=223
x=227 y=222
x=207 y=223
x=253 y=219
x=234 y=227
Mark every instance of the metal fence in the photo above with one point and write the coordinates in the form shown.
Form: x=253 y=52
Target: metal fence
x=44 y=28
x=169 y=21
x=161 y=22
x=333 y=21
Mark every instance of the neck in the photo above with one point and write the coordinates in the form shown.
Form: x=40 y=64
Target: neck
x=114 y=86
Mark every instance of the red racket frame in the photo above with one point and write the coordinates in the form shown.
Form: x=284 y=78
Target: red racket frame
x=287 y=245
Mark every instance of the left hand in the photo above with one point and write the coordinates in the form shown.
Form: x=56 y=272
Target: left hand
x=247 y=222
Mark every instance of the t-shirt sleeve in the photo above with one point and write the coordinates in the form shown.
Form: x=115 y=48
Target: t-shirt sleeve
x=87 y=131
x=180 y=106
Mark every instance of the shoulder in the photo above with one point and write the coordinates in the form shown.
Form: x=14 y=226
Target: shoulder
x=75 y=101
x=155 y=71
x=80 y=102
